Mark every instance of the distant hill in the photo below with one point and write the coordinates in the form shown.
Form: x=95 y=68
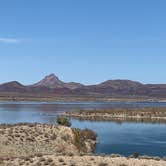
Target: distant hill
x=12 y=87
x=52 y=85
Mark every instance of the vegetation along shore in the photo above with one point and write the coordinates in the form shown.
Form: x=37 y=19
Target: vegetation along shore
x=30 y=139
x=139 y=114
x=56 y=145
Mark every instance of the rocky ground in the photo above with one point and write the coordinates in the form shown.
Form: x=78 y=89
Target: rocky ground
x=54 y=160
x=30 y=139
x=52 y=145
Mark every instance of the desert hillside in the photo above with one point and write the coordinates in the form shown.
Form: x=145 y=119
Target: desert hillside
x=51 y=86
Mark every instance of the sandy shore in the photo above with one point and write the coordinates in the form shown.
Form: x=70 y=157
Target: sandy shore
x=54 y=160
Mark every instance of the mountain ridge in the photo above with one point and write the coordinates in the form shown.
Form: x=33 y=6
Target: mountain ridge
x=51 y=84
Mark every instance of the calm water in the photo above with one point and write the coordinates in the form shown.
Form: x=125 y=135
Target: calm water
x=123 y=138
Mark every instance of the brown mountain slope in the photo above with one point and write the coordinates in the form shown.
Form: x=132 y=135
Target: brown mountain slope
x=52 y=81
x=12 y=86
x=51 y=84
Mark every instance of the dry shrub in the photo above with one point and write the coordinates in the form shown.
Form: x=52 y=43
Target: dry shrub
x=89 y=134
x=80 y=136
x=103 y=164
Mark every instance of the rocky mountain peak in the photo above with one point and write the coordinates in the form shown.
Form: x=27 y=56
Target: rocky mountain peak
x=51 y=77
x=50 y=81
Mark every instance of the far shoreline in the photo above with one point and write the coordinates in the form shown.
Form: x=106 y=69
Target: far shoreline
x=149 y=114
x=81 y=98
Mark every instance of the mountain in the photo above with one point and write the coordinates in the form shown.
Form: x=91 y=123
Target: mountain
x=50 y=81
x=113 y=87
x=119 y=84
x=52 y=85
x=73 y=85
x=123 y=88
x=12 y=86
x=53 y=82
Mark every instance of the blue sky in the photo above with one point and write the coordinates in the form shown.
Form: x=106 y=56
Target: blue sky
x=87 y=41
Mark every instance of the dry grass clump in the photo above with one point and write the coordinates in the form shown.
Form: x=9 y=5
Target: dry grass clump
x=39 y=154
x=1 y=161
x=86 y=160
x=61 y=160
x=103 y=164
x=89 y=134
x=81 y=135
x=50 y=160
x=73 y=164
x=42 y=159
x=123 y=164
x=79 y=140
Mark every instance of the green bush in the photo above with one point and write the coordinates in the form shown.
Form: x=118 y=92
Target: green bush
x=64 y=121
x=136 y=155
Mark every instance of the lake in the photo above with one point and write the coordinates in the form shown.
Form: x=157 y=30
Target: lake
x=123 y=138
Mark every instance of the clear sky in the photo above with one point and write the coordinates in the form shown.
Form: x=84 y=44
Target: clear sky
x=87 y=41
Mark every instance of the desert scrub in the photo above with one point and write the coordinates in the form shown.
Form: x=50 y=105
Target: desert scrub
x=79 y=140
x=80 y=136
x=64 y=121
x=89 y=134
x=61 y=160
x=136 y=155
x=103 y=164
x=1 y=161
x=123 y=165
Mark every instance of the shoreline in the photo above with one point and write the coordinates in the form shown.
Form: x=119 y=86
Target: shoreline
x=43 y=144
x=24 y=139
x=84 y=160
x=80 y=98
x=143 y=114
